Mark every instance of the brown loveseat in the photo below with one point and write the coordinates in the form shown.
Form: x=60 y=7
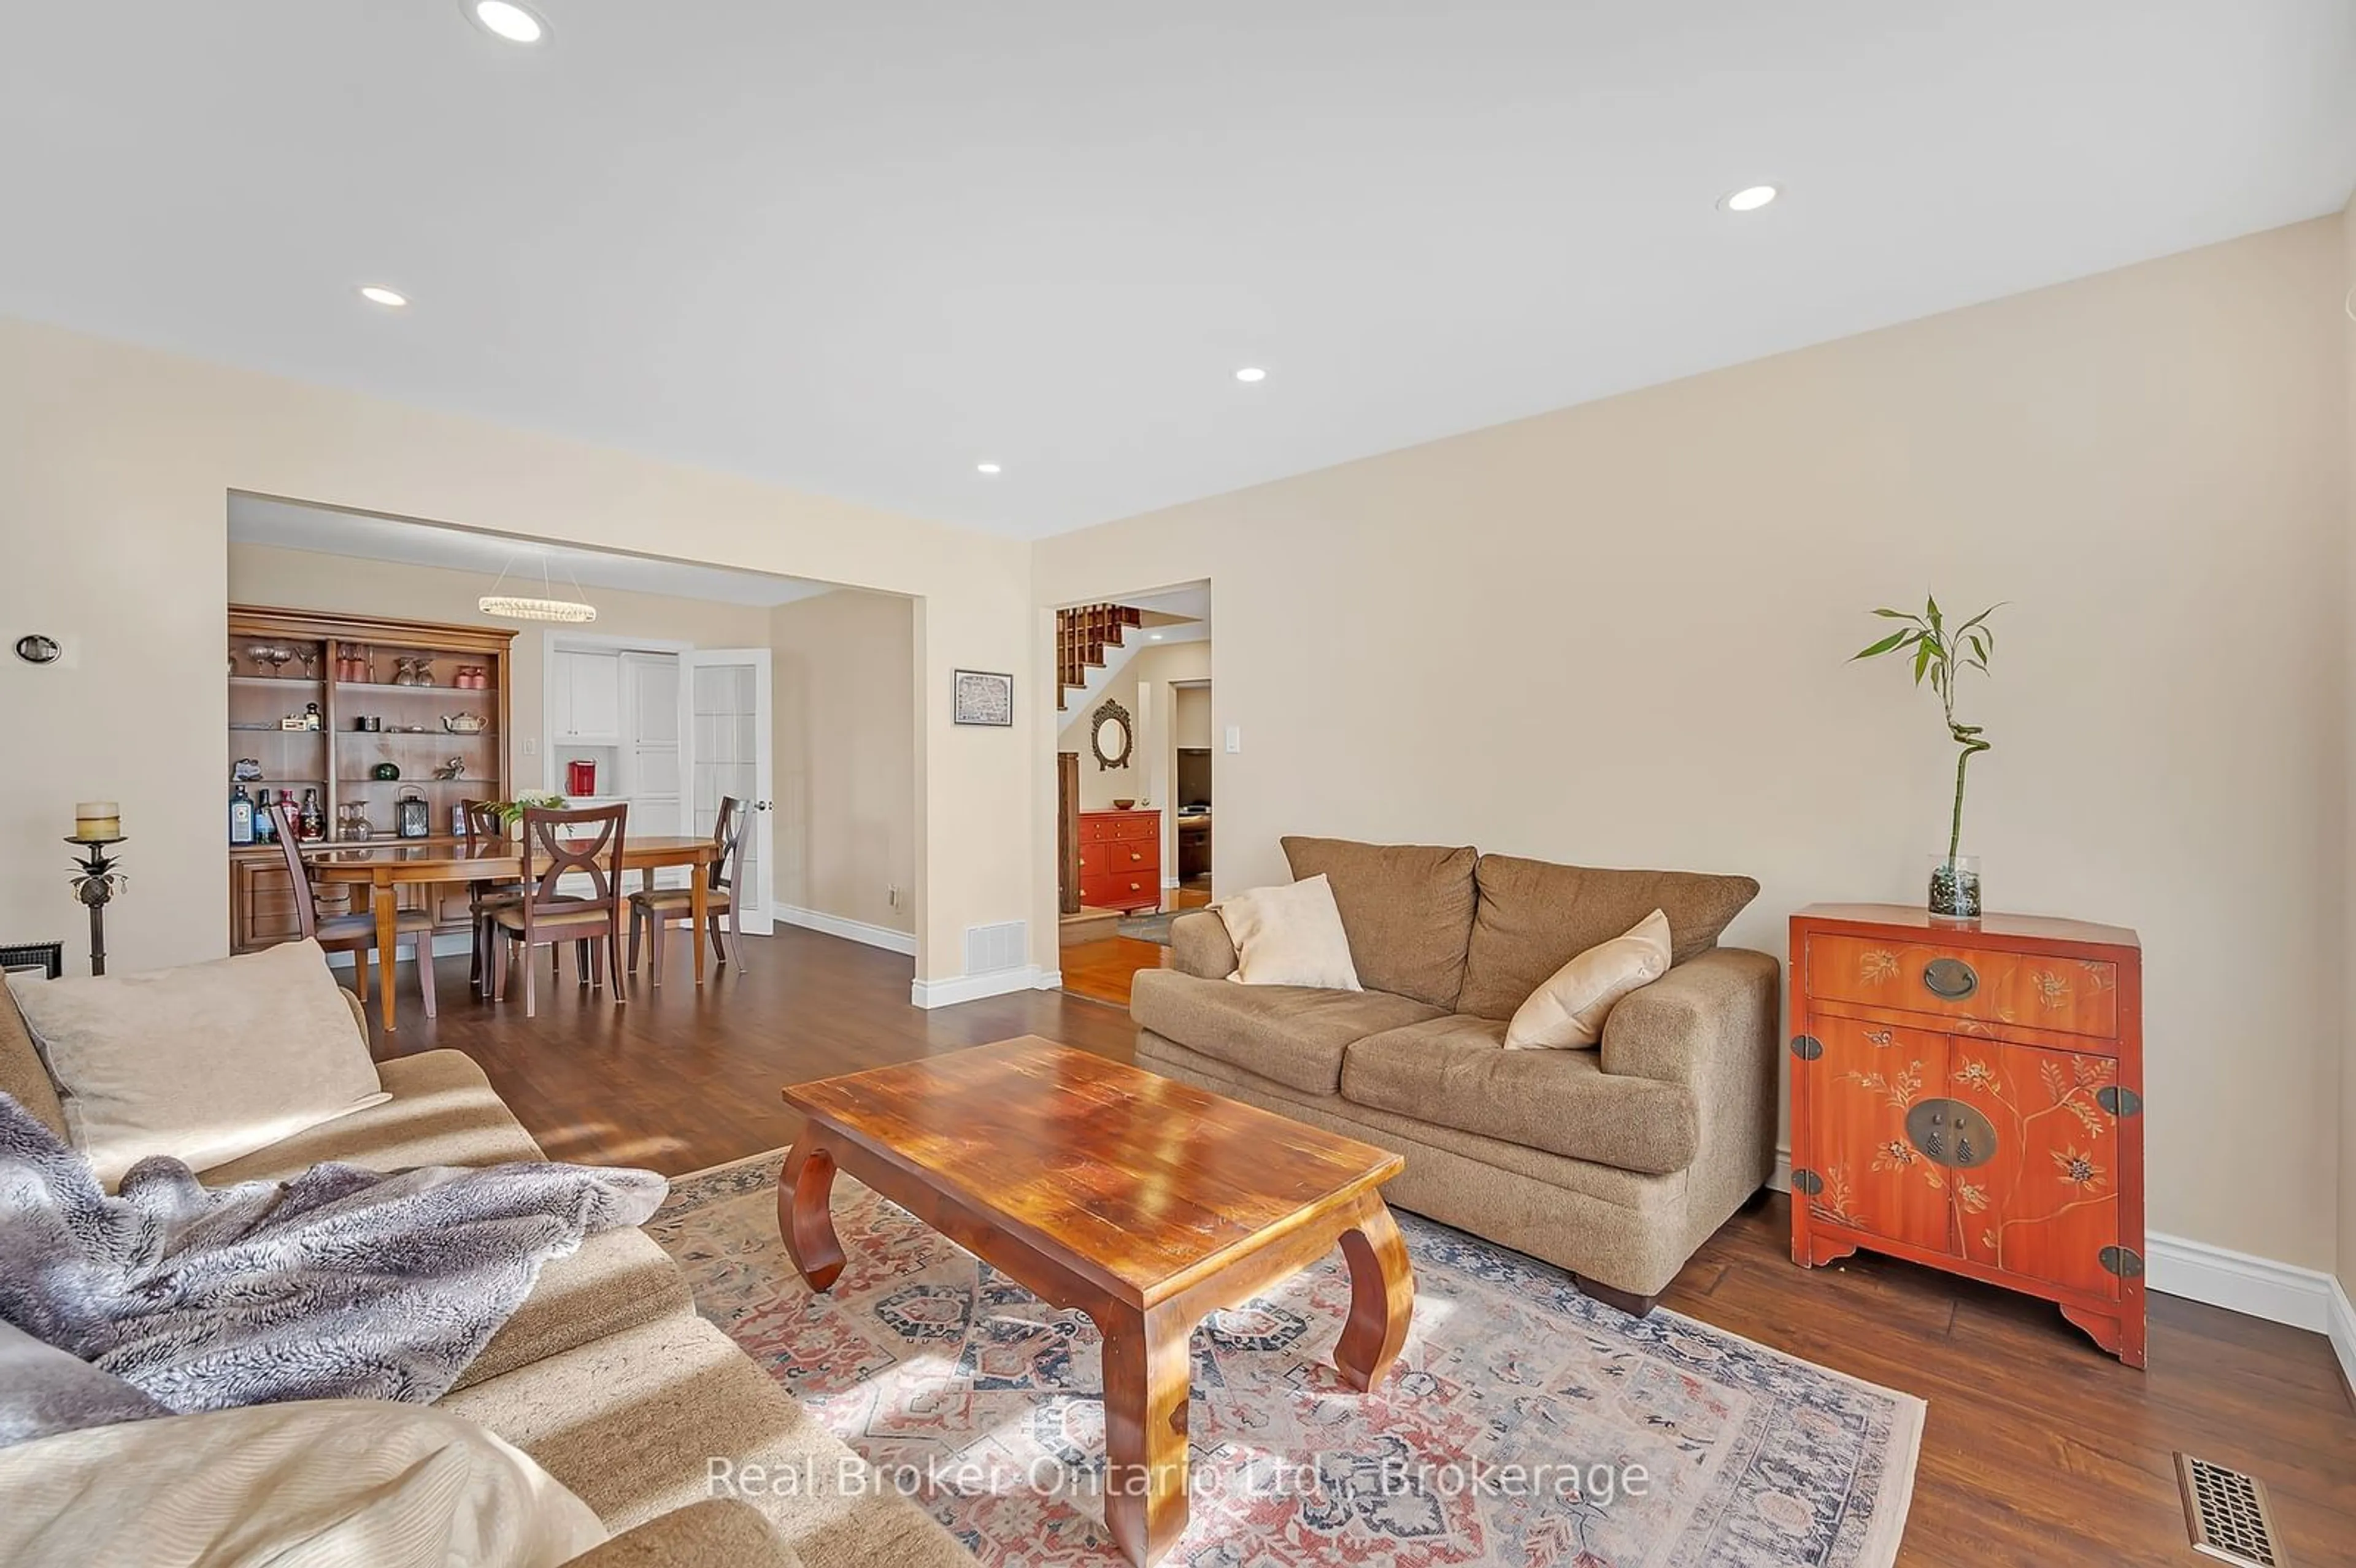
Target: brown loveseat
x=606 y=1375
x=1614 y=1163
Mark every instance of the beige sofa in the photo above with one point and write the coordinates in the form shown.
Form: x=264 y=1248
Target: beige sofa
x=1614 y=1163
x=606 y=1376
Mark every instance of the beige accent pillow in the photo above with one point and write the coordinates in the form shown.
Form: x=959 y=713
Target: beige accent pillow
x=205 y=1062
x=1290 y=936
x=314 y=1483
x=1569 y=1008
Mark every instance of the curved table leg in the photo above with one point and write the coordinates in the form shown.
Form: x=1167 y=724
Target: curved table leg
x=1382 y=1297
x=1148 y=1372
x=804 y=1188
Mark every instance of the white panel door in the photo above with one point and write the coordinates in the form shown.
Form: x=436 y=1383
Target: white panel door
x=724 y=744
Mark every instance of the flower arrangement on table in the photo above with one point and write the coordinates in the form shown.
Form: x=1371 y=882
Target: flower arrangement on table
x=512 y=811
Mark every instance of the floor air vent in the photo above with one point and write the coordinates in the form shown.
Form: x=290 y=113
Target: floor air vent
x=2227 y=1515
x=991 y=948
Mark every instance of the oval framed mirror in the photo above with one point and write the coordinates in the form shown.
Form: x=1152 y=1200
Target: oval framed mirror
x=1110 y=734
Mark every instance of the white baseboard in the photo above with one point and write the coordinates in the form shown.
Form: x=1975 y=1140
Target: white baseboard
x=956 y=988
x=1049 y=980
x=849 y=930
x=2219 y=1276
x=2343 y=1331
x=2257 y=1287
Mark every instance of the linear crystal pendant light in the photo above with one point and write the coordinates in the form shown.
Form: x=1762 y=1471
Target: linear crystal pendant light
x=523 y=607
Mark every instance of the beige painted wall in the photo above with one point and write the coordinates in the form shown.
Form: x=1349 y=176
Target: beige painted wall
x=846 y=755
x=1616 y=635
x=2348 y=935
x=116 y=465
x=1100 y=785
x=307 y=580
x=1143 y=685
x=1194 y=720
x=1150 y=674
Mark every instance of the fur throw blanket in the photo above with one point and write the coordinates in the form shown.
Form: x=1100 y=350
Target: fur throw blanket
x=340 y=1284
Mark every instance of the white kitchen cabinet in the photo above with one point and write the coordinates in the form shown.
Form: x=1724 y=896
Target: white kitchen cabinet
x=585 y=693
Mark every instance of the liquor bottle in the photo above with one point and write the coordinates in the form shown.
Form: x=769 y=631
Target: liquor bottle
x=265 y=827
x=240 y=816
x=314 y=821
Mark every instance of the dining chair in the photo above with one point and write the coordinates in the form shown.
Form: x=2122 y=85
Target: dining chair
x=558 y=844
x=353 y=934
x=485 y=829
x=661 y=906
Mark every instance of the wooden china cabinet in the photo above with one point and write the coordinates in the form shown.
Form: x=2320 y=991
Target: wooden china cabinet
x=1969 y=1095
x=437 y=696
x=1120 y=859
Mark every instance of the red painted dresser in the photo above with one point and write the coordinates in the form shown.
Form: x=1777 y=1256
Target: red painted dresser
x=1120 y=859
x=1970 y=1096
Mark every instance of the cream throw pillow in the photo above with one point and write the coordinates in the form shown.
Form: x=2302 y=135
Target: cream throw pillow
x=315 y=1483
x=1290 y=936
x=1570 y=1007
x=205 y=1062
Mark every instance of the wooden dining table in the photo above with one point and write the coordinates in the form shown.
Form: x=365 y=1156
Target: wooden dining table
x=386 y=865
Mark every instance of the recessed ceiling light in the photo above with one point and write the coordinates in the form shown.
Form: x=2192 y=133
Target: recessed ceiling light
x=377 y=294
x=985 y=468
x=1750 y=199
x=1251 y=373
x=506 y=20
x=1157 y=637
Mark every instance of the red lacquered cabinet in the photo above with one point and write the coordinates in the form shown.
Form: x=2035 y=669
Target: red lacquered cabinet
x=1970 y=1096
x=1120 y=859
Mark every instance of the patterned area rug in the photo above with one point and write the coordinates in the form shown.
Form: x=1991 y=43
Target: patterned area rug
x=1526 y=1425
x=1149 y=927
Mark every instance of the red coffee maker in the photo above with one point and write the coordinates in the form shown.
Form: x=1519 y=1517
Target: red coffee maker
x=580 y=777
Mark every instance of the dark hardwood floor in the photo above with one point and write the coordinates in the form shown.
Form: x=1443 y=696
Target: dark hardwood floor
x=2037 y=1449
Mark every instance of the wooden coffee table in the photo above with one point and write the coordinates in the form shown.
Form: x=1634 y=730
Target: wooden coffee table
x=1143 y=1202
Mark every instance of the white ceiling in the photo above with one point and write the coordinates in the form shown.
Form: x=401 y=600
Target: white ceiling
x=254 y=519
x=858 y=248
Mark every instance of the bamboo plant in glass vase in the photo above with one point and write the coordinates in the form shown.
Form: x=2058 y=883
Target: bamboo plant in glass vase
x=1941 y=655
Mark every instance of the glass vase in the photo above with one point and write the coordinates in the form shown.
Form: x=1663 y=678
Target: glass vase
x=1954 y=890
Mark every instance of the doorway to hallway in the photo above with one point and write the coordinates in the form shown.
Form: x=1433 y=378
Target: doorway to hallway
x=1136 y=785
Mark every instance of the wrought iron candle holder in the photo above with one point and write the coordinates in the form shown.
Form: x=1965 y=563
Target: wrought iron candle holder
x=95 y=882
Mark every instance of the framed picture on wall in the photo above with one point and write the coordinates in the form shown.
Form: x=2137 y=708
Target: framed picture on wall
x=982 y=697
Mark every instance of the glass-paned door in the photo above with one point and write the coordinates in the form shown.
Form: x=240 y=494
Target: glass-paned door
x=724 y=751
